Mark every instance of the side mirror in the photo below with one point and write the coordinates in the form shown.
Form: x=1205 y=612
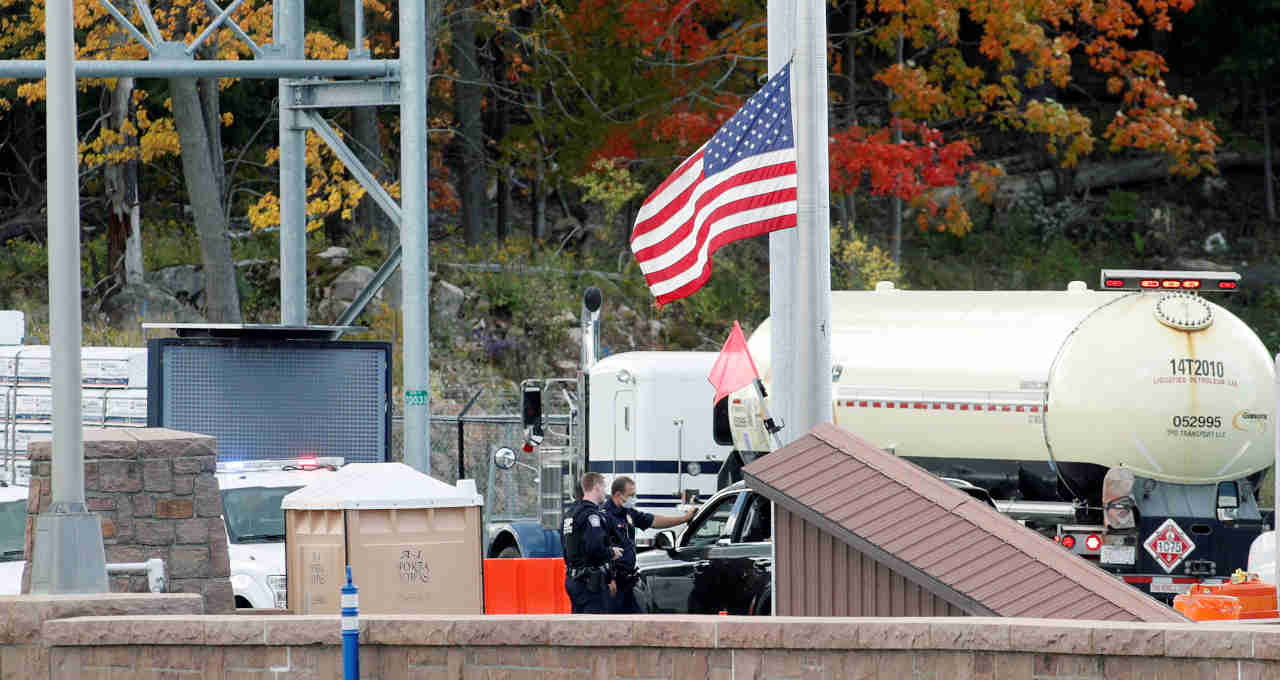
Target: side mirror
x=531 y=407
x=504 y=458
x=665 y=540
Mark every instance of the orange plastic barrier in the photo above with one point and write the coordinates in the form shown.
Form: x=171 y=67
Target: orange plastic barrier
x=1202 y=605
x=526 y=585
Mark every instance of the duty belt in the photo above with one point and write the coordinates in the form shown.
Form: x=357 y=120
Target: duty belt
x=579 y=572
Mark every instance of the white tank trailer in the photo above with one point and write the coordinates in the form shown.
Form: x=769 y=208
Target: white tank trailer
x=1037 y=398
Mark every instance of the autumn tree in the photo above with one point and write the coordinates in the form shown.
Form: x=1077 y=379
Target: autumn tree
x=976 y=62
x=190 y=118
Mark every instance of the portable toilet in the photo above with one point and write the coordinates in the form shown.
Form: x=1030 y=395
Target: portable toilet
x=413 y=542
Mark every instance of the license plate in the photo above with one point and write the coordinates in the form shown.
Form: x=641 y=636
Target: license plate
x=1118 y=554
x=1170 y=587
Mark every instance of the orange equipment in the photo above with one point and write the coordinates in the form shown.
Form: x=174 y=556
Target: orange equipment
x=1252 y=599
x=1201 y=605
x=525 y=585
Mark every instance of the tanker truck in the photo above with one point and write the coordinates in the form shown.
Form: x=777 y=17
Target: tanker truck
x=1132 y=423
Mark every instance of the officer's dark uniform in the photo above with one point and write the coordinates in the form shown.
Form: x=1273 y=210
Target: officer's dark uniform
x=624 y=522
x=587 y=553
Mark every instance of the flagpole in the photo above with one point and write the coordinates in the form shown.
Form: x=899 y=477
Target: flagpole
x=811 y=295
x=782 y=244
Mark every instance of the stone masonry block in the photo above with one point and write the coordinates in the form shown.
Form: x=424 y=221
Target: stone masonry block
x=92 y=476
x=188 y=562
x=208 y=499
x=193 y=531
x=154 y=532
x=164 y=443
x=101 y=443
x=124 y=529
x=40 y=449
x=157 y=475
x=33 y=495
x=124 y=506
x=191 y=466
x=120 y=475
x=184 y=485
x=124 y=553
x=175 y=508
x=219 y=559
x=101 y=503
x=219 y=596
x=144 y=505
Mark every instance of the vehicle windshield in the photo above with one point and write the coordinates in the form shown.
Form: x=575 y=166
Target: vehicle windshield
x=13 y=530
x=253 y=513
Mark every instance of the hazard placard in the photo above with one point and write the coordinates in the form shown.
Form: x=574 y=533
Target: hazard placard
x=1169 y=545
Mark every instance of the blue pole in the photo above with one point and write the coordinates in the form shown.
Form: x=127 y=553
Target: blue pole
x=350 y=630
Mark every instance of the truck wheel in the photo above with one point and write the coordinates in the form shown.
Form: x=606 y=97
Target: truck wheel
x=509 y=552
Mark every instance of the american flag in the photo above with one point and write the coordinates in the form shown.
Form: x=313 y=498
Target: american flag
x=740 y=184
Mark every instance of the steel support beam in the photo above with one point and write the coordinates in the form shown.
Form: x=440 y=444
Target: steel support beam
x=201 y=68
x=322 y=94
x=348 y=157
x=379 y=196
x=290 y=35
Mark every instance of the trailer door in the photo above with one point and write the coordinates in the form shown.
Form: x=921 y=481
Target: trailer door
x=624 y=432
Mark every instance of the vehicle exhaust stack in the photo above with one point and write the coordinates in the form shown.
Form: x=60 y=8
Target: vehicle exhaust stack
x=592 y=301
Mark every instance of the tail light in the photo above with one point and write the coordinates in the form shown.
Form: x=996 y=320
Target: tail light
x=1093 y=543
x=1134 y=279
x=1068 y=542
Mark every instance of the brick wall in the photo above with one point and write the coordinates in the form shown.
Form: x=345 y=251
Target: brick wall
x=157 y=496
x=22 y=651
x=596 y=648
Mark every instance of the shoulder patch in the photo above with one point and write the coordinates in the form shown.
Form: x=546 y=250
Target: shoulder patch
x=594 y=520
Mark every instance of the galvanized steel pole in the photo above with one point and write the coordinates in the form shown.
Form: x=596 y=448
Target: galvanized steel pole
x=64 y=258
x=69 y=556
x=289 y=32
x=413 y=233
x=812 y=263
x=782 y=248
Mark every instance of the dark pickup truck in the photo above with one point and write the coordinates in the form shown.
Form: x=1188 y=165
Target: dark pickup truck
x=723 y=561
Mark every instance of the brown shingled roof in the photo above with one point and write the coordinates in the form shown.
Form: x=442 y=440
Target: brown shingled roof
x=940 y=538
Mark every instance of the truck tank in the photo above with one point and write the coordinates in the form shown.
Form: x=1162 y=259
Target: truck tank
x=1035 y=395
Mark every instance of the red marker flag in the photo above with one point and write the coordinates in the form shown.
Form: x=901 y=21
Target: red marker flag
x=734 y=368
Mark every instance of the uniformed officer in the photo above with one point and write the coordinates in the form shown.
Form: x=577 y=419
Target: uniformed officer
x=624 y=519
x=585 y=537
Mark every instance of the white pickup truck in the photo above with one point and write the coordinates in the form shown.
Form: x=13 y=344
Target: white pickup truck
x=251 y=495
x=13 y=527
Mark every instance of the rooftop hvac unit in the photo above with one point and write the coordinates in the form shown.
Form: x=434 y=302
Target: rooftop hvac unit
x=270 y=392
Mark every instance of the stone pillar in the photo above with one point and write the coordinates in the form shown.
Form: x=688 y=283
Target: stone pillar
x=157 y=496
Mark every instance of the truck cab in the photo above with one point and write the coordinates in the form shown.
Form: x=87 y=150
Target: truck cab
x=645 y=415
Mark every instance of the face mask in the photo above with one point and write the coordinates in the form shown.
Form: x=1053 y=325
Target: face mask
x=629 y=503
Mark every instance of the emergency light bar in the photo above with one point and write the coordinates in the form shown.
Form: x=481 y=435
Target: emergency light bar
x=307 y=464
x=1199 y=282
